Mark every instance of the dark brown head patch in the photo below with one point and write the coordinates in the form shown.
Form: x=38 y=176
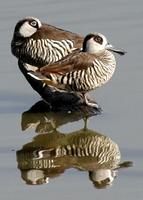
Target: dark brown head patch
x=33 y=23
x=98 y=39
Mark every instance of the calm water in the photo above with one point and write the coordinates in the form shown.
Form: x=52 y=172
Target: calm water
x=121 y=100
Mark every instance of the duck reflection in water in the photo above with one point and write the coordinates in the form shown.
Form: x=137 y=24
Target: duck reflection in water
x=44 y=120
x=49 y=155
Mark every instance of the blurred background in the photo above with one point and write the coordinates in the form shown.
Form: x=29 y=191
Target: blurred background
x=121 y=99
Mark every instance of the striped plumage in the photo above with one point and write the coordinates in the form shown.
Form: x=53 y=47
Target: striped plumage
x=40 y=44
x=88 y=144
x=82 y=71
x=83 y=80
x=44 y=52
x=53 y=153
x=80 y=144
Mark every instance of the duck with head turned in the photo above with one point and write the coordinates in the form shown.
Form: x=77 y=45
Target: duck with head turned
x=40 y=44
x=82 y=71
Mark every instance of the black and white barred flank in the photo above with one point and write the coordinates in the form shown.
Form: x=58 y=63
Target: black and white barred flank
x=40 y=44
x=87 y=79
x=45 y=51
x=100 y=147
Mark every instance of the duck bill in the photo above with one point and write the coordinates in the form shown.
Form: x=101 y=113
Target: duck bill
x=111 y=48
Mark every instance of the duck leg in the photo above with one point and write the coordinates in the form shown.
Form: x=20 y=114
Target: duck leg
x=90 y=102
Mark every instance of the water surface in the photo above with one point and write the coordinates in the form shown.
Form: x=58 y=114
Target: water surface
x=121 y=99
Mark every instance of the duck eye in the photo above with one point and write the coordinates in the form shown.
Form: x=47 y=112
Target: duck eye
x=33 y=23
x=98 y=39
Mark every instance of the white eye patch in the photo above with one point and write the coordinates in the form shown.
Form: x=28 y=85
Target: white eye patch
x=94 y=47
x=26 y=30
